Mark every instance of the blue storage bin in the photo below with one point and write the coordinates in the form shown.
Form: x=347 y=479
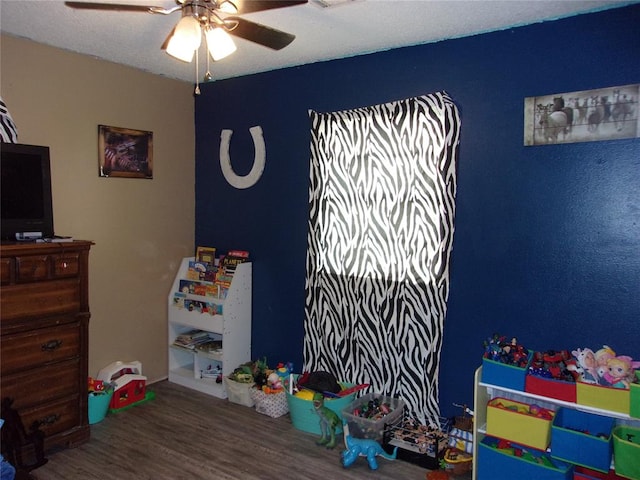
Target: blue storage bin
x=500 y=464
x=582 y=438
x=504 y=375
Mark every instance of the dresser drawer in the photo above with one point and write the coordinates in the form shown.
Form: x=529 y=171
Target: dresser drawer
x=65 y=265
x=41 y=298
x=53 y=417
x=40 y=385
x=38 y=348
x=32 y=268
x=6 y=267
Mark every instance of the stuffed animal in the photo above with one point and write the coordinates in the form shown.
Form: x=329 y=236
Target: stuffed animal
x=586 y=361
x=274 y=384
x=602 y=358
x=621 y=371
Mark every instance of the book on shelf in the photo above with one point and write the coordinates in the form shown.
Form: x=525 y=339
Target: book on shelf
x=200 y=307
x=197 y=287
x=191 y=339
x=207 y=256
x=198 y=340
x=227 y=266
x=178 y=299
x=199 y=271
x=212 y=346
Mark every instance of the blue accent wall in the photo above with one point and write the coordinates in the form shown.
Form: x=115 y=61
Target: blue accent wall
x=547 y=239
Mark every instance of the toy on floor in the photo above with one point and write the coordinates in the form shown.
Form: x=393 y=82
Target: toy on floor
x=329 y=421
x=128 y=383
x=363 y=447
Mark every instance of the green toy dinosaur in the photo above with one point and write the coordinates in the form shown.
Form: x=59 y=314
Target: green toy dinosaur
x=329 y=421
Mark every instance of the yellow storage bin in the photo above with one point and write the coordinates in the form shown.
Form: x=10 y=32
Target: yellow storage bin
x=528 y=425
x=606 y=398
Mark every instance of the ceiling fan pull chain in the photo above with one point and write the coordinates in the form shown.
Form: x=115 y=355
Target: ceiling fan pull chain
x=207 y=75
x=197 y=92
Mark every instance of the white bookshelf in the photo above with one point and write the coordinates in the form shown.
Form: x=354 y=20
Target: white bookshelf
x=232 y=327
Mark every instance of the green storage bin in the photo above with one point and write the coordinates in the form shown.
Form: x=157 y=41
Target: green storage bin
x=626 y=451
x=634 y=397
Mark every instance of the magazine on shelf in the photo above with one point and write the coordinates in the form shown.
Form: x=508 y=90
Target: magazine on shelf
x=227 y=266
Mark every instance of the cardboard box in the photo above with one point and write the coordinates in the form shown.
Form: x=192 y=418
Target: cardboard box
x=549 y=387
x=503 y=375
x=514 y=421
x=606 y=398
x=372 y=428
x=504 y=464
x=582 y=438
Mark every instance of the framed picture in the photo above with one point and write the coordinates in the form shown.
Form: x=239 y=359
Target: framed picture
x=124 y=152
x=608 y=113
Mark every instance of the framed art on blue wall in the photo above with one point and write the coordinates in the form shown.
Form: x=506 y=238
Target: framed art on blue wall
x=124 y=152
x=607 y=113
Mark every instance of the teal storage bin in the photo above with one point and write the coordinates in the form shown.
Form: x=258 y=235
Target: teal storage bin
x=305 y=418
x=99 y=406
x=502 y=464
x=582 y=438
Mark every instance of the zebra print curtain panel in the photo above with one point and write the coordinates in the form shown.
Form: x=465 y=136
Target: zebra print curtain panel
x=380 y=233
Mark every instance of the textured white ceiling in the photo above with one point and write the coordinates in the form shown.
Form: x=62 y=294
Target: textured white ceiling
x=322 y=33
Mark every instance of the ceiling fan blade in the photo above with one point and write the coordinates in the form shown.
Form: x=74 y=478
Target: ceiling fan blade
x=249 y=6
x=111 y=6
x=261 y=34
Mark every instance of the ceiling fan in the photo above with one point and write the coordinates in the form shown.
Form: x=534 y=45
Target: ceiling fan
x=216 y=19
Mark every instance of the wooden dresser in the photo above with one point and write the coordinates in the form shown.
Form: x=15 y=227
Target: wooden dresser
x=44 y=319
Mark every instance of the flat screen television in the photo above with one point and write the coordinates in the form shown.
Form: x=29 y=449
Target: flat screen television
x=27 y=208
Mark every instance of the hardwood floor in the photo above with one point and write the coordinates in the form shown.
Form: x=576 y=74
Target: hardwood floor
x=182 y=434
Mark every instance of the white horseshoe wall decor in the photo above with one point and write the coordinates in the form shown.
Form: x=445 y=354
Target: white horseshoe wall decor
x=254 y=175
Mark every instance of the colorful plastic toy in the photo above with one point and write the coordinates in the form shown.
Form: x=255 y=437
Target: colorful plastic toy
x=129 y=383
x=364 y=447
x=329 y=421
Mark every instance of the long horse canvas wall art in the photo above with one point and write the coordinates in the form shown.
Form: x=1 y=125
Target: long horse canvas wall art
x=607 y=113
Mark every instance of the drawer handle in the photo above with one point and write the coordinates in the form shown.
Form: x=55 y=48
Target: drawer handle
x=48 y=420
x=51 y=345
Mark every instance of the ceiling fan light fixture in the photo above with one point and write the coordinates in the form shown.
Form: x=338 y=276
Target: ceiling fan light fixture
x=186 y=39
x=219 y=43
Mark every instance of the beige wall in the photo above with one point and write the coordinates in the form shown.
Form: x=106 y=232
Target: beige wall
x=141 y=228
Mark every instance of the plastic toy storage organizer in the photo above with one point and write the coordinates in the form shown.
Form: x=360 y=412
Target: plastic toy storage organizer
x=548 y=437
